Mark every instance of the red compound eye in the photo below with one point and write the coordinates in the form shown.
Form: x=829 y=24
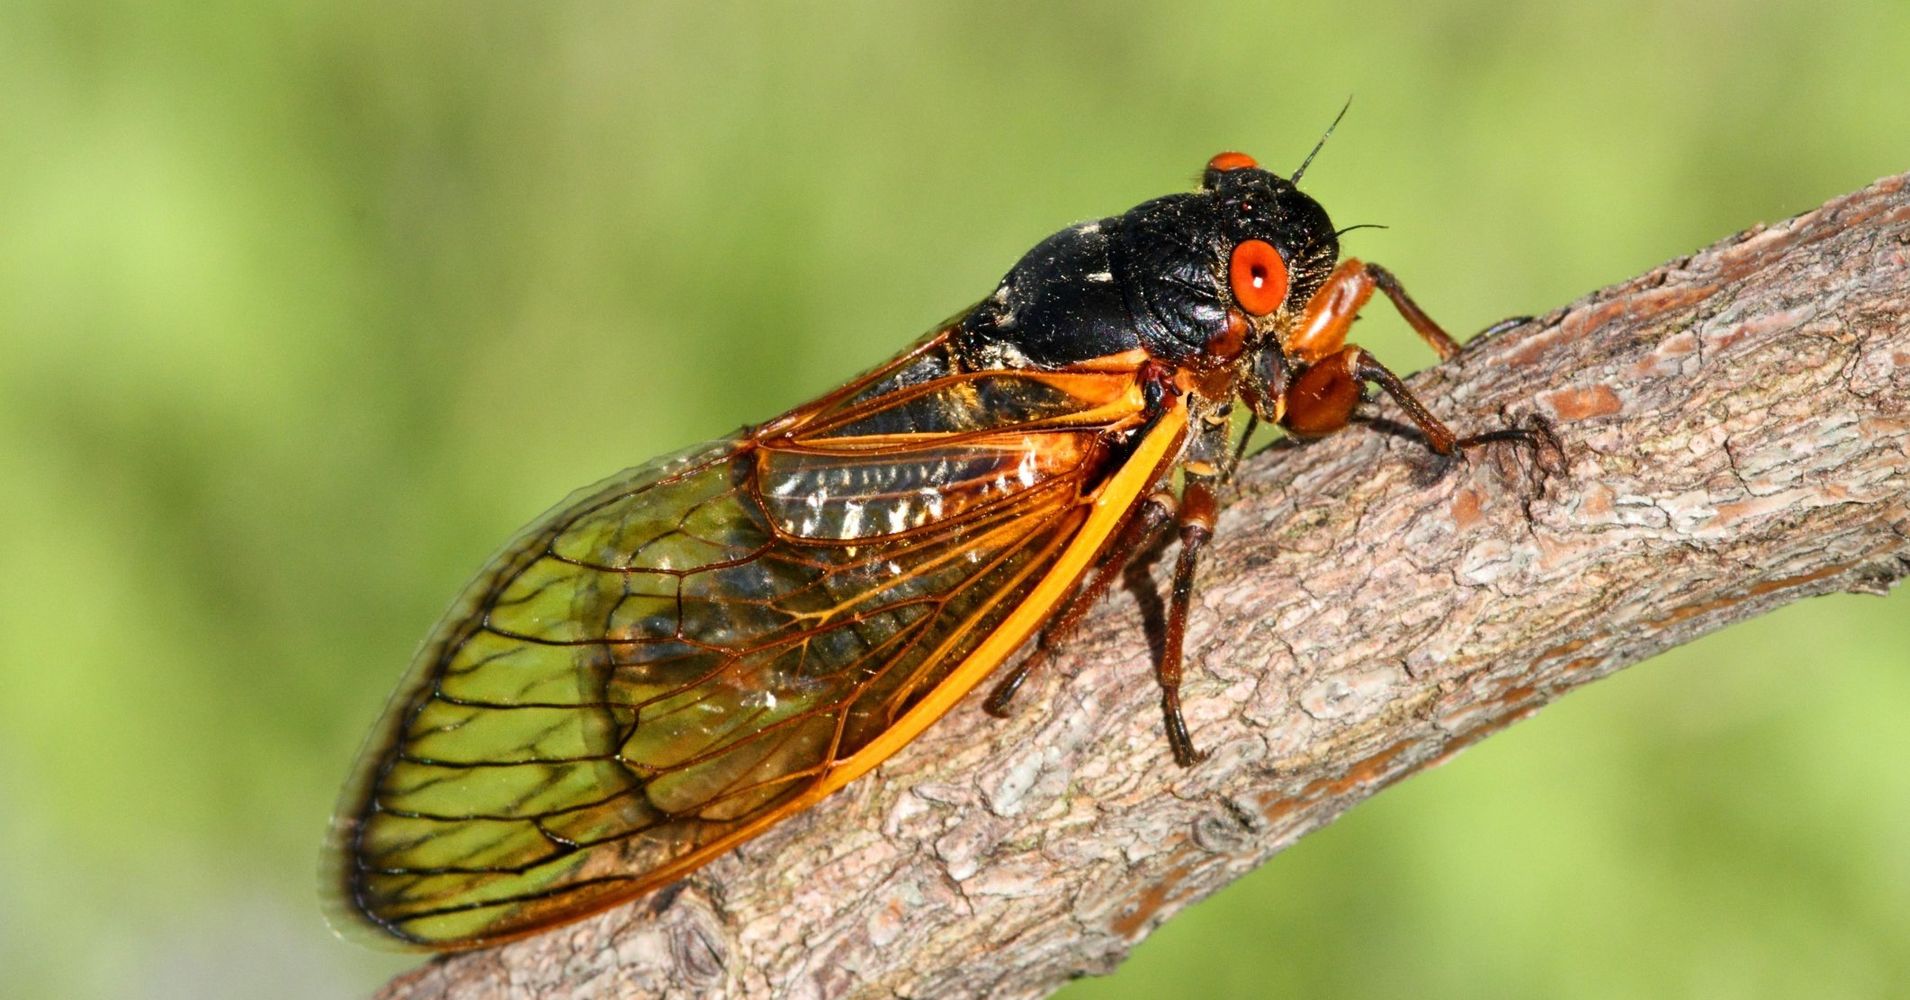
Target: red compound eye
x=1231 y=161
x=1258 y=277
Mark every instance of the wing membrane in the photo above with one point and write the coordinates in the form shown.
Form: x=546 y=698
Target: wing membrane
x=671 y=660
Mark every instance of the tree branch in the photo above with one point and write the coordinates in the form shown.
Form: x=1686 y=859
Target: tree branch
x=1736 y=436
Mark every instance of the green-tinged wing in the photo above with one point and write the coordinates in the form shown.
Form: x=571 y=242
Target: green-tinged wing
x=674 y=656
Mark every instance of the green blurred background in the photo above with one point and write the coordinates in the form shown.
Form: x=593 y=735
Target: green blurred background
x=305 y=307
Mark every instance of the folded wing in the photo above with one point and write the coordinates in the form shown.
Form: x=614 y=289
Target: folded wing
x=670 y=660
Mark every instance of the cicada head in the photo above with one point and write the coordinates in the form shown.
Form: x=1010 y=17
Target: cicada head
x=1203 y=280
x=1240 y=255
x=1281 y=249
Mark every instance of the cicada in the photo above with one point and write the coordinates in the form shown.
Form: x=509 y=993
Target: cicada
x=673 y=660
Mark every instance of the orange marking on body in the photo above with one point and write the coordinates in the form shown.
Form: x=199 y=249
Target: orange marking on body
x=1231 y=340
x=1126 y=361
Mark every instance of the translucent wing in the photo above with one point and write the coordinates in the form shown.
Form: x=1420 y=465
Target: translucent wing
x=675 y=658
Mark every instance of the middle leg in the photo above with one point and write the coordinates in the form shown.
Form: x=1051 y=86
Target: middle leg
x=1197 y=511
x=1134 y=537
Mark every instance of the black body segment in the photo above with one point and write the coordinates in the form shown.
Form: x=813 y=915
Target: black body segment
x=1060 y=305
x=1154 y=277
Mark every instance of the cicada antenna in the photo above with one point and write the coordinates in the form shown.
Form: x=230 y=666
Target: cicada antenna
x=1337 y=233
x=1323 y=138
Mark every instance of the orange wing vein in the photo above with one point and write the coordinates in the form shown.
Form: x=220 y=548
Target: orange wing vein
x=673 y=660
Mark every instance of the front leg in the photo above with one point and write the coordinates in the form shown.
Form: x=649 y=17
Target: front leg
x=1322 y=398
x=1322 y=326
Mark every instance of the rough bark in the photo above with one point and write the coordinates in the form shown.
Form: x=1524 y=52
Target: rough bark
x=1735 y=432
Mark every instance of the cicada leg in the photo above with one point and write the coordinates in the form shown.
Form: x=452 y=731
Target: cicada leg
x=1196 y=517
x=1240 y=448
x=1322 y=398
x=1197 y=509
x=1432 y=333
x=1140 y=530
x=1322 y=327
